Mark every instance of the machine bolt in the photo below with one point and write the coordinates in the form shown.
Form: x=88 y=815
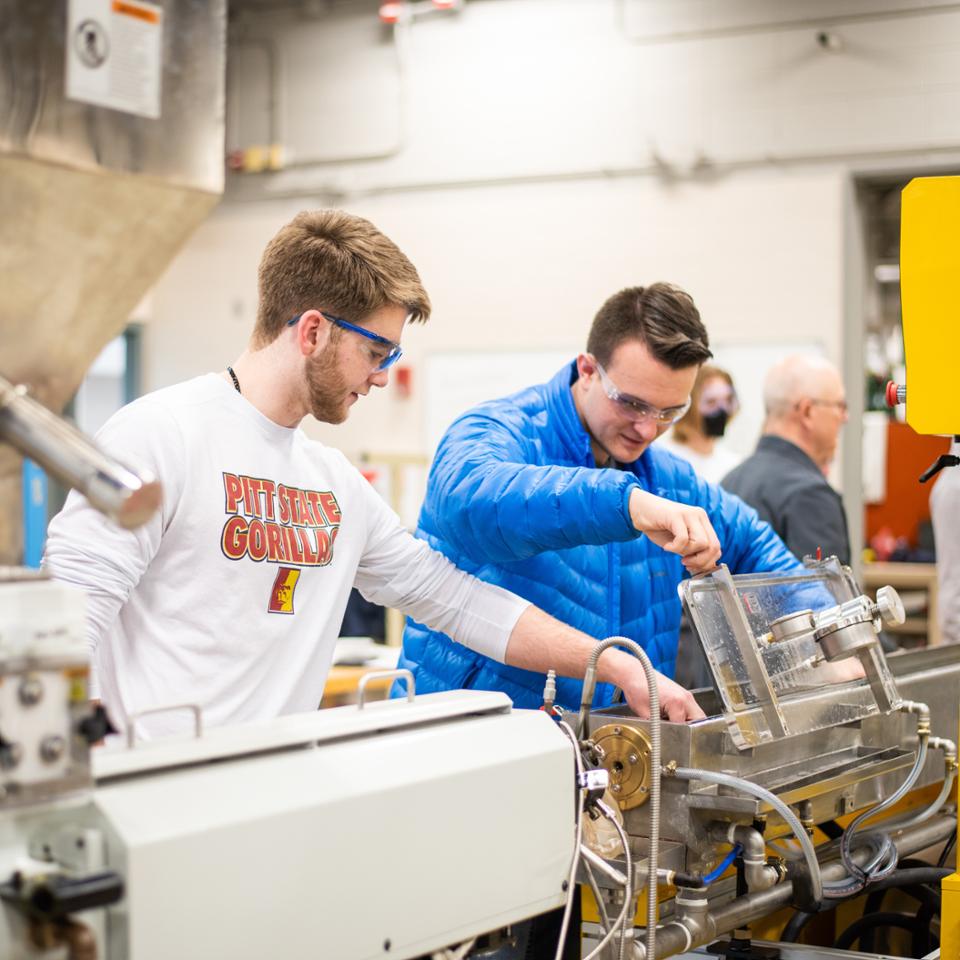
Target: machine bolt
x=615 y=788
x=51 y=748
x=616 y=730
x=633 y=758
x=805 y=813
x=31 y=691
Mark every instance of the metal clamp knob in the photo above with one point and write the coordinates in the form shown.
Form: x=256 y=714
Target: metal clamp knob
x=890 y=606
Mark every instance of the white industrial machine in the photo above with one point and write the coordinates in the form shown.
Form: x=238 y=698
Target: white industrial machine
x=391 y=830
x=430 y=827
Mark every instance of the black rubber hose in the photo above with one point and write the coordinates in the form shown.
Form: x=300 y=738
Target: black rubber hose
x=795 y=926
x=873 y=905
x=911 y=877
x=929 y=908
x=923 y=939
x=853 y=932
x=928 y=898
x=946 y=850
x=910 y=881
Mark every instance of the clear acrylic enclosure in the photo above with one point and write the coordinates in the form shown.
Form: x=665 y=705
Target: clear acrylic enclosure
x=766 y=664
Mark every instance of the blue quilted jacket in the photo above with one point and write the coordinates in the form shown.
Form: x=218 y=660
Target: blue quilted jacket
x=515 y=498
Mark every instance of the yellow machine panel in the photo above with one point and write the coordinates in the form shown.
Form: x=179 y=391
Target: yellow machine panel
x=930 y=297
x=950 y=918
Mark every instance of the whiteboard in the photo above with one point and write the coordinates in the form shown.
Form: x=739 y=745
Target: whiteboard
x=457 y=381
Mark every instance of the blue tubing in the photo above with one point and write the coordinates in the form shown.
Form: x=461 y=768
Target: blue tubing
x=723 y=864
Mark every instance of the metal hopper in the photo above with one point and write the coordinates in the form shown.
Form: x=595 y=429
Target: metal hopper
x=111 y=153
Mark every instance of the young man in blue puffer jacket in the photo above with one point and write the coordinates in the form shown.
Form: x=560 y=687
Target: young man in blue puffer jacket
x=541 y=493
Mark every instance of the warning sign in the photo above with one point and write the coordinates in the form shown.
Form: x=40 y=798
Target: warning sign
x=113 y=52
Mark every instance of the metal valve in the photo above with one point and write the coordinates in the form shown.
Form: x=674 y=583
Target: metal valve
x=854 y=626
x=889 y=606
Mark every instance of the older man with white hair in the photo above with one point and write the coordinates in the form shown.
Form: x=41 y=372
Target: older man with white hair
x=785 y=478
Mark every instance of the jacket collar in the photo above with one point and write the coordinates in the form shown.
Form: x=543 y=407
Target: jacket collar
x=562 y=414
x=769 y=443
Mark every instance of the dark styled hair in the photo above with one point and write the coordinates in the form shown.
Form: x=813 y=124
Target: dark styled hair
x=662 y=317
x=331 y=260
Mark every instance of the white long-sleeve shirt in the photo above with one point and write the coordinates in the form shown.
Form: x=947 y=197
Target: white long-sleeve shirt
x=945 y=514
x=232 y=596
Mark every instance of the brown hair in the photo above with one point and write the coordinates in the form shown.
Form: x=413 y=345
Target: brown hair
x=331 y=260
x=662 y=317
x=690 y=421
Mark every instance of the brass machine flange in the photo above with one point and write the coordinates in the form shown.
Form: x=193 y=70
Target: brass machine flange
x=626 y=757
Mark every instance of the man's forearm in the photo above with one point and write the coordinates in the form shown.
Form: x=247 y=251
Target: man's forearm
x=539 y=642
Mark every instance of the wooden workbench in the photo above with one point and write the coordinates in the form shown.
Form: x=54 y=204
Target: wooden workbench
x=907 y=578
x=342 y=683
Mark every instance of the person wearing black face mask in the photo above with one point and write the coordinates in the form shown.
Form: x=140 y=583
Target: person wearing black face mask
x=694 y=437
x=715 y=422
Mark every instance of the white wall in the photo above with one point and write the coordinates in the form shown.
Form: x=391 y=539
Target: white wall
x=533 y=156
x=525 y=268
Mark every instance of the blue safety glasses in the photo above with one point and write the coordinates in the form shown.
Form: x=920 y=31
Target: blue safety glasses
x=384 y=353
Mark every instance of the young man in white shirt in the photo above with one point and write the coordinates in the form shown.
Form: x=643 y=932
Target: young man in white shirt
x=231 y=597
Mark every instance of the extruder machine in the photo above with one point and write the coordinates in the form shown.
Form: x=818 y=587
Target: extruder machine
x=792 y=742
x=432 y=827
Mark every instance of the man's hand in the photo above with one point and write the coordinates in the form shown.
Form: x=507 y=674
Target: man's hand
x=539 y=642
x=841 y=671
x=677 y=528
x=676 y=704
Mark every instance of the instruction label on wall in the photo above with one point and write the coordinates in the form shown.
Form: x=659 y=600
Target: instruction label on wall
x=114 y=54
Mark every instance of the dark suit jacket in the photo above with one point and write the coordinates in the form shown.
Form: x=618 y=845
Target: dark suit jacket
x=788 y=490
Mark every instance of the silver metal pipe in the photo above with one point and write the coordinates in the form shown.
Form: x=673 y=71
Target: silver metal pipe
x=589 y=683
x=72 y=458
x=692 y=910
x=746 y=786
x=911 y=841
x=757 y=872
x=672 y=939
x=949 y=749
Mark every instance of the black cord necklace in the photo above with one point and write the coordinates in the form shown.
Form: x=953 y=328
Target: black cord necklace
x=233 y=377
